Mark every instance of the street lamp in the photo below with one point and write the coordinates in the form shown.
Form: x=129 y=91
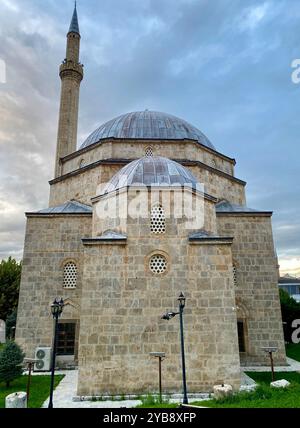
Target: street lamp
x=168 y=316
x=56 y=310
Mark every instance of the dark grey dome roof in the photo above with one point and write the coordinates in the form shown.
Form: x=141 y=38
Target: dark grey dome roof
x=151 y=125
x=151 y=171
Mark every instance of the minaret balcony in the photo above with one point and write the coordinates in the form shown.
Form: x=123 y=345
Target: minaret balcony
x=71 y=69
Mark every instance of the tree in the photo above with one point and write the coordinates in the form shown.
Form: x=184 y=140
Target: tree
x=11 y=359
x=290 y=310
x=10 y=277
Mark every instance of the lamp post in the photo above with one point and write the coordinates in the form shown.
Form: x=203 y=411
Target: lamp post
x=56 y=310
x=168 y=316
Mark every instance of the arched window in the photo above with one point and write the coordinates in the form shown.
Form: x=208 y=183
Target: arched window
x=158 y=220
x=82 y=163
x=70 y=275
x=149 y=151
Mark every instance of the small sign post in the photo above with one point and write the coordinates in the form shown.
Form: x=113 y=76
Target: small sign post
x=270 y=350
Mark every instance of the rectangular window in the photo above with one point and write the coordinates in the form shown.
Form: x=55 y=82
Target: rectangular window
x=241 y=336
x=66 y=338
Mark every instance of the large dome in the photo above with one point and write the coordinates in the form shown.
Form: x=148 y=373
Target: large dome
x=151 y=125
x=151 y=171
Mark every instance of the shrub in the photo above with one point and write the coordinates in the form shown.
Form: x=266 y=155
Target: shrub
x=11 y=359
x=290 y=311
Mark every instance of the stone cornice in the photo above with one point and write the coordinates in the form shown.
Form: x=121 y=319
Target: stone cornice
x=212 y=240
x=104 y=241
x=149 y=188
x=245 y=214
x=42 y=215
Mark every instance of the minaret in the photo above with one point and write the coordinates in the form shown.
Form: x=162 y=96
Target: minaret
x=71 y=74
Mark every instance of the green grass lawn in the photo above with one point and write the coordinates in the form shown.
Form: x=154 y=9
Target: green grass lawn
x=153 y=402
x=293 y=351
x=264 y=396
x=39 y=390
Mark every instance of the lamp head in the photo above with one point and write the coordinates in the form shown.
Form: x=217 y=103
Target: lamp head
x=169 y=315
x=181 y=300
x=57 y=307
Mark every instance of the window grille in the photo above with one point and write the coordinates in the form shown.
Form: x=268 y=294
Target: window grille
x=234 y=276
x=149 y=151
x=158 y=264
x=70 y=275
x=158 y=220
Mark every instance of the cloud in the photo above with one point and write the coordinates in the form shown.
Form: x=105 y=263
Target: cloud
x=223 y=67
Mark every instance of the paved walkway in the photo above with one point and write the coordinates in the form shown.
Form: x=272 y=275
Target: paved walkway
x=293 y=366
x=66 y=390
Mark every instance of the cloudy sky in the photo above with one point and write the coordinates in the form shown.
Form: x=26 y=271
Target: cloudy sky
x=223 y=65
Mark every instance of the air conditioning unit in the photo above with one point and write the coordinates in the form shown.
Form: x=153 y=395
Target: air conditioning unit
x=43 y=359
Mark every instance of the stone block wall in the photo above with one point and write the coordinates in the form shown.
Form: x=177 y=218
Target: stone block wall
x=116 y=149
x=50 y=242
x=140 y=201
x=257 y=283
x=122 y=304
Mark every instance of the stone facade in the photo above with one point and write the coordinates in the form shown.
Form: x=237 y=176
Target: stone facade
x=82 y=184
x=122 y=302
x=256 y=292
x=117 y=276
x=50 y=242
x=135 y=149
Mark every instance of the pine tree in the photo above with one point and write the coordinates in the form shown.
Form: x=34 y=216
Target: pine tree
x=11 y=359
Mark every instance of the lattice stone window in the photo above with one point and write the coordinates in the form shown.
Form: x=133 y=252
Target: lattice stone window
x=234 y=276
x=70 y=275
x=158 y=220
x=158 y=264
x=149 y=151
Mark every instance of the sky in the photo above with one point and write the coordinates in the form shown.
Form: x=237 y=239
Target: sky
x=222 y=65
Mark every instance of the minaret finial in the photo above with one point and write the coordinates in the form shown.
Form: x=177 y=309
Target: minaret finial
x=74 y=27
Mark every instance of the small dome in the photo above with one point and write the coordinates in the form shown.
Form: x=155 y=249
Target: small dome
x=148 y=125
x=151 y=171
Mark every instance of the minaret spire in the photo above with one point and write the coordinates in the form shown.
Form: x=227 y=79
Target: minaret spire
x=71 y=74
x=74 y=26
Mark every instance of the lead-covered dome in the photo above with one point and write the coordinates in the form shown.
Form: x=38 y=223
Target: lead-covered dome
x=151 y=171
x=151 y=125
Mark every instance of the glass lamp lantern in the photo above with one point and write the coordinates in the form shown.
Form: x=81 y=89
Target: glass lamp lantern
x=181 y=300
